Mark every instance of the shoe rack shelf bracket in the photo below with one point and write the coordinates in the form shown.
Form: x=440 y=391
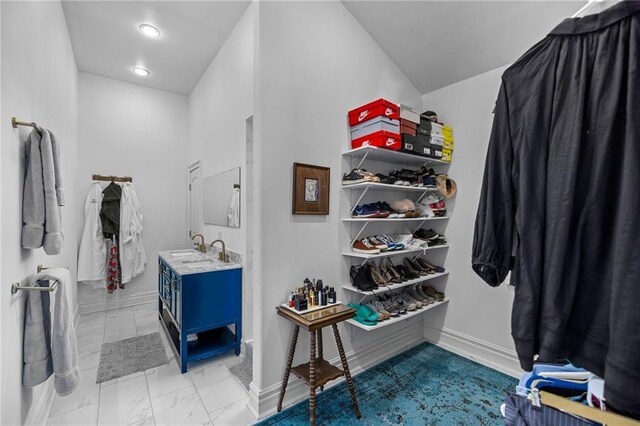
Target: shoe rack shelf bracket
x=352 y=208
x=364 y=226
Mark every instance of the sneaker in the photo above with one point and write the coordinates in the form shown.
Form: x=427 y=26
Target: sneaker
x=426 y=234
x=365 y=211
x=359 y=176
x=365 y=246
x=388 y=180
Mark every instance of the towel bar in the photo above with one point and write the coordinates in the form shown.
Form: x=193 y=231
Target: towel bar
x=16 y=286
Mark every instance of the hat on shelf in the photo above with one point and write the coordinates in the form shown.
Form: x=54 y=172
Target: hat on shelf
x=447 y=186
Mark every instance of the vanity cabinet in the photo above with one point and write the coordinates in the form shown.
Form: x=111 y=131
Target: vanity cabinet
x=200 y=311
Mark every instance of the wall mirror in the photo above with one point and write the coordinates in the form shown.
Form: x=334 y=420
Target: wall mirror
x=221 y=199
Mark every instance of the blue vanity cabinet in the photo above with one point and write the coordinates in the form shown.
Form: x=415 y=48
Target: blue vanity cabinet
x=203 y=304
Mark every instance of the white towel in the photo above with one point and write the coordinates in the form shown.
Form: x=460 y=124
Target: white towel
x=53 y=240
x=33 y=195
x=57 y=354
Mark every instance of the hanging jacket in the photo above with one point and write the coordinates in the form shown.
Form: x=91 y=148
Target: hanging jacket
x=92 y=255
x=110 y=210
x=33 y=195
x=560 y=197
x=132 y=256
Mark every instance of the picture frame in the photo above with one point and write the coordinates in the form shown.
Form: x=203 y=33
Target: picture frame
x=310 y=189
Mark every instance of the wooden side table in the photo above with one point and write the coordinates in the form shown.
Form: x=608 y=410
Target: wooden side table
x=317 y=372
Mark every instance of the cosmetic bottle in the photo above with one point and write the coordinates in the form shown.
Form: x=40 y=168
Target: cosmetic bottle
x=323 y=297
x=312 y=297
x=316 y=301
x=332 y=295
x=292 y=303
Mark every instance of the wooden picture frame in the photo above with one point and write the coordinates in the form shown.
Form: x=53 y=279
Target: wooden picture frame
x=310 y=189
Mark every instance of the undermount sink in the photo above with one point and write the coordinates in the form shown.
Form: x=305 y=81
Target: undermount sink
x=183 y=252
x=199 y=264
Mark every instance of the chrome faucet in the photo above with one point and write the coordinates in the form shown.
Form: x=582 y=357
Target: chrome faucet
x=202 y=247
x=223 y=254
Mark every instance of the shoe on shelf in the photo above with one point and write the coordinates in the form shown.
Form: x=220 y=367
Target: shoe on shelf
x=425 y=264
x=390 y=306
x=365 y=312
x=426 y=234
x=406 y=274
x=388 y=270
x=411 y=291
x=429 y=299
x=379 y=309
x=388 y=180
x=407 y=264
x=406 y=296
x=359 y=176
x=382 y=246
x=361 y=278
x=432 y=292
x=405 y=304
x=377 y=278
x=364 y=246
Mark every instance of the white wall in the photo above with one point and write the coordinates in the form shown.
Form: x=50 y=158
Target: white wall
x=315 y=63
x=39 y=83
x=477 y=321
x=218 y=107
x=130 y=130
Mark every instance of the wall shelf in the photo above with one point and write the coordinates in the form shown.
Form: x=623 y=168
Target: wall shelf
x=392 y=219
x=394 y=287
x=390 y=252
x=395 y=157
x=397 y=319
x=374 y=186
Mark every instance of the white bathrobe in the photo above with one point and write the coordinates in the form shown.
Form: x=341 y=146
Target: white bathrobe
x=132 y=256
x=92 y=256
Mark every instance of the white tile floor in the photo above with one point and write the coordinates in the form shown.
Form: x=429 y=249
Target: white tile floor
x=207 y=395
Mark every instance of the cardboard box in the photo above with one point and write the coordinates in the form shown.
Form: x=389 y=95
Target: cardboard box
x=380 y=139
x=447 y=154
x=436 y=152
x=409 y=114
x=380 y=107
x=447 y=132
x=407 y=130
x=448 y=145
x=437 y=140
x=411 y=124
x=375 y=125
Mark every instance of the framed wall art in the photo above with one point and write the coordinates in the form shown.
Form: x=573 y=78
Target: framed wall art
x=310 y=189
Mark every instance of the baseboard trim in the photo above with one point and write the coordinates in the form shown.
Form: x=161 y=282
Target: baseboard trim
x=117 y=302
x=263 y=403
x=40 y=411
x=480 y=351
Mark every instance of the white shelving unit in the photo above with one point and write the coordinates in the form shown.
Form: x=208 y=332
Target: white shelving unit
x=388 y=187
x=393 y=219
x=359 y=157
x=391 y=252
x=400 y=318
x=394 y=287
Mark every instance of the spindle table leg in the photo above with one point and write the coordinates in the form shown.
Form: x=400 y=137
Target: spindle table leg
x=287 y=371
x=345 y=367
x=312 y=379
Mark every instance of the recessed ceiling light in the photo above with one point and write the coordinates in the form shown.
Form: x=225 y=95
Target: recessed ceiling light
x=149 y=30
x=141 y=71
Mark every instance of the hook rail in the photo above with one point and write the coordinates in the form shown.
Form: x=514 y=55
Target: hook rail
x=15 y=123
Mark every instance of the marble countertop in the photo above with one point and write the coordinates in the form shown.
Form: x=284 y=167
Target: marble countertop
x=185 y=262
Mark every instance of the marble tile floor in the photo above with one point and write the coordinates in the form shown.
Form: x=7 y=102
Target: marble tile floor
x=206 y=395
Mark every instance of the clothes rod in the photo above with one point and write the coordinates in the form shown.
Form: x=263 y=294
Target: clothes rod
x=15 y=123
x=113 y=178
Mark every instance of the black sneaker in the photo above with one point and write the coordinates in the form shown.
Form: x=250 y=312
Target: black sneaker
x=359 y=176
x=426 y=234
x=361 y=278
x=386 y=179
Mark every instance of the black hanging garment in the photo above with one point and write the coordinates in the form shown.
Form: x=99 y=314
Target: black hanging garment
x=560 y=202
x=110 y=210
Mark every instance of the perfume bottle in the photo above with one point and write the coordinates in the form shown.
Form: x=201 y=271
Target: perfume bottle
x=323 y=297
x=332 y=295
x=292 y=303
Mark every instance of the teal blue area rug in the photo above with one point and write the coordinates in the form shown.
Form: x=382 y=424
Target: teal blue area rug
x=425 y=385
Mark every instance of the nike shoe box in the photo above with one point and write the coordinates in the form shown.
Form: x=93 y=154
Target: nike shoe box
x=421 y=145
x=447 y=154
x=407 y=113
x=448 y=145
x=408 y=123
x=380 y=139
x=421 y=130
x=447 y=132
x=375 y=125
x=381 y=107
x=411 y=145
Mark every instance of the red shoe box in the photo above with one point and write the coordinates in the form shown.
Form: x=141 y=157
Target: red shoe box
x=407 y=130
x=374 y=109
x=380 y=139
x=411 y=124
